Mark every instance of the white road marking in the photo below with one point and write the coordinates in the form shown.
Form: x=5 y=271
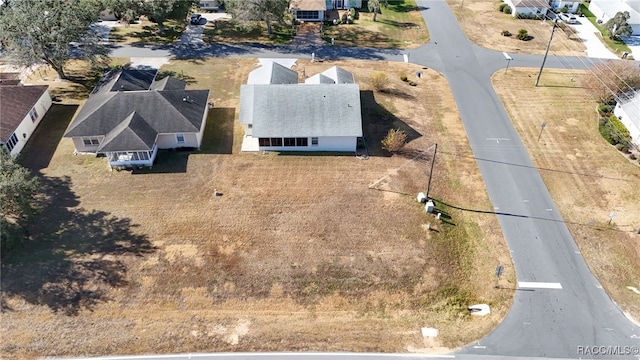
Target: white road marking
x=497 y=140
x=549 y=209
x=539 y=285
x=479 y=347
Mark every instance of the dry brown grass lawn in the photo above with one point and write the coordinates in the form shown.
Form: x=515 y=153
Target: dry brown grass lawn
x=297 y=254
x=483 y=23
x=588 y=178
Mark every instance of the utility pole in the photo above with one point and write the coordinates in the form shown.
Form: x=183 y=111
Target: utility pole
x=555 y=24
x=433 y=160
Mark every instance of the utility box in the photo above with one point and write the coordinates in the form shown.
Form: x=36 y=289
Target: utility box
x=421 y=198
x=429 y=206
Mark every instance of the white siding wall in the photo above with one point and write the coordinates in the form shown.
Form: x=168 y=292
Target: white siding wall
x=528 y=10
x=168 y=141
x=204 y=125
x=80 y=147
x=329 y=143
x=635 y=28
x=27 y=126
x=625 y=118
x=596 y=10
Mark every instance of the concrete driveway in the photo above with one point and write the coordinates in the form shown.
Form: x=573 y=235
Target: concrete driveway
x=590 y=37
x=193 y=33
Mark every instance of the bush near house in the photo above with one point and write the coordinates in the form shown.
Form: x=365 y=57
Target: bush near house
x=507 y=10
x=614 y=131
x=394 y=140
x=502 y=6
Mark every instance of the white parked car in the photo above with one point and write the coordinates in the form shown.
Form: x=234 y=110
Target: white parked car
x=568 y=18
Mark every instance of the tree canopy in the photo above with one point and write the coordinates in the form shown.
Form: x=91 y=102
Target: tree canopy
x=258 y=10
x=606 y=80
x=18 y=191
x=35 y=31
x=159 y=11
x=618 y=25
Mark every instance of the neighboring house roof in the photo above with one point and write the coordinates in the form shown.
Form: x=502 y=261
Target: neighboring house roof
x=308 y=5
x=333 y=75
x=301 y=111
x=612 y=7
x=15 y=103
x=273 y=73
x=531 y=3
x=131 y=120
x=9 y=78
x=630 y=107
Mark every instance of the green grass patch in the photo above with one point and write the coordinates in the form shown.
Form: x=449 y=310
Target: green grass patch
x=234 y=32
x=617 y=46
x=400 y=24
x=147 y=33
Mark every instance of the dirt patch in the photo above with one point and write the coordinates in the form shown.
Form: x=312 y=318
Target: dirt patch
x=483 y=24
x=299 y=254
x=587 y=178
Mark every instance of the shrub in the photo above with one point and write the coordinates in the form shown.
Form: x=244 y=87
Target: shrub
x=614 y=131
x=413 y=83
x=355 y=14
x=505 y=33
x=404 y=78
x=507 y=9
x=394 y=140
x=632 y=156
x=605 y=109
x=501 y=7
x=344 y=18
x=378 y=80
x=619 y=126
x=523 y=35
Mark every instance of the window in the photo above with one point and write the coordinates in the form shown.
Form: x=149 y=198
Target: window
x=34 y=114
x=289 y=141
x=302 y=141
x=180 y=138
x=11 y=143
x=307 y=15
x=264 y=142
x=249 y=126
x=314 y=141
x=276 y=141
x=91 y=141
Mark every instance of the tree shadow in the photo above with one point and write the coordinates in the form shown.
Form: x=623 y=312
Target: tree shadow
x=42 y=144
x=72 y=257
x=376 y=123
x=168 y=161
x=180 y=76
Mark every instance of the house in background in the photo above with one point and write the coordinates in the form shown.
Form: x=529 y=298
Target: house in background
x=528 y=7
x=604 y=10
x=314 y=10
x=209 y=5
x=130 y=115
x=628 y=111
x=322 y=115
x=572 y=5
x=22 y=108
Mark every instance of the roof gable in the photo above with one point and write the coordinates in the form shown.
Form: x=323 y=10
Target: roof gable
x=273 y=73
x=168 y=83
x=126 y=80
x=133 y=133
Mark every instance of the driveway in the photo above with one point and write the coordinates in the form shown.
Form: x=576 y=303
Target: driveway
x=193 y=33
x=590 y=37
x=633 y=42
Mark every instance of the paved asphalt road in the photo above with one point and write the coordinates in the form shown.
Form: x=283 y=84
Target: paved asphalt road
x=569 y=309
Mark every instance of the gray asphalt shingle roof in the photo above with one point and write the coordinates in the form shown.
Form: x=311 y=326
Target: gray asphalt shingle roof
x=301 y=110
x=125 y=80
x=131 y=119
x=273 y=73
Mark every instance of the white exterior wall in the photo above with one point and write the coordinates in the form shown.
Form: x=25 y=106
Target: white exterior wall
x=169 y=141
x=559 y=4
x=80 y=146
x=596 y=11
x=209 y=5
x=635 y=28
x=626 y=119
x=27 y=126
x=528 y=10
x=202 y=127
x=327 y=143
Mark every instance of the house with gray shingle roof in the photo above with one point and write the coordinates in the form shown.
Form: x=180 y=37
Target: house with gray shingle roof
x=130 y=115
x=321 y=116
x=528 y=7
x=22 y=108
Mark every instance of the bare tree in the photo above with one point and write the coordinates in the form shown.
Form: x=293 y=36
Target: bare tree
x=606 y=80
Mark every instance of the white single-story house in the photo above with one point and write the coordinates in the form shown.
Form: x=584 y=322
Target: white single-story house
x=528 y=7
x=314 y=10
x=130 y=115
x=22 y=108
x=333 y=75
x=299 y=117
x=628 y=111
x=604 y=10
x=572 y=5
x=209 y=5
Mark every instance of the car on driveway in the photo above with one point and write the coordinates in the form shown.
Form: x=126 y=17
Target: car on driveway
x=568 y=18
x=197 y=19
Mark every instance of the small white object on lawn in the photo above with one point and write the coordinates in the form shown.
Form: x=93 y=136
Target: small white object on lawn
x=429 y=332
x=479 y=309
